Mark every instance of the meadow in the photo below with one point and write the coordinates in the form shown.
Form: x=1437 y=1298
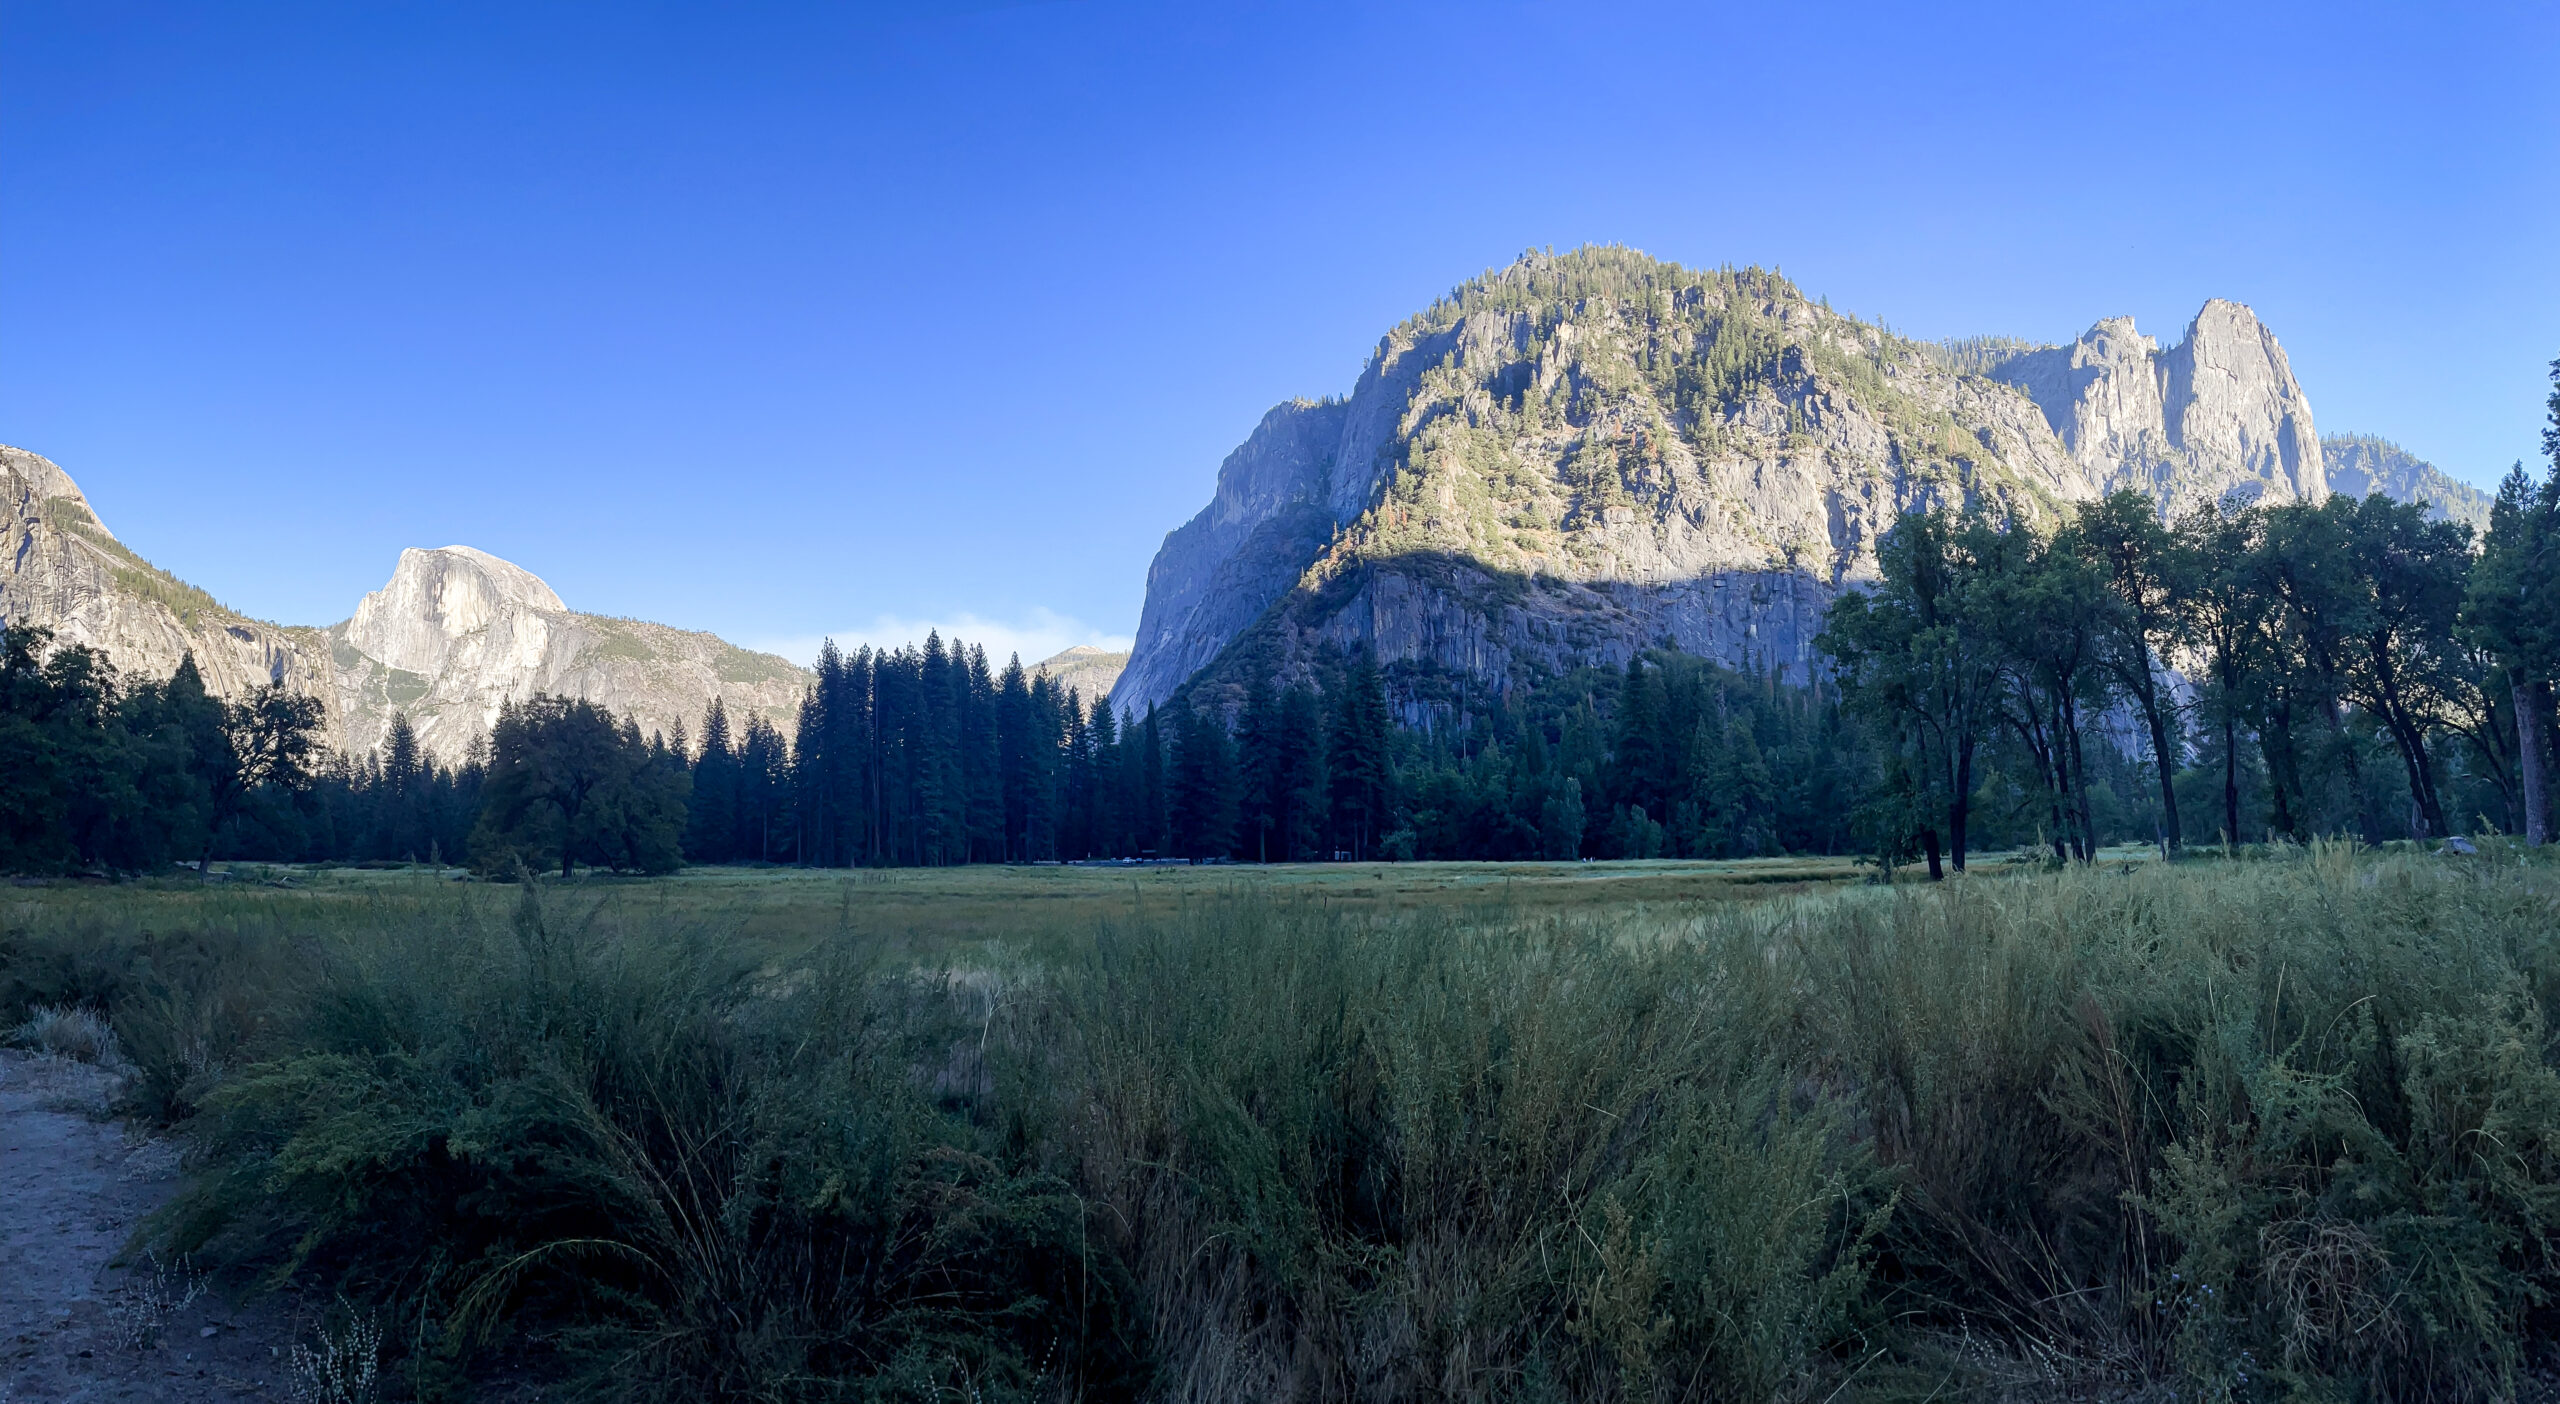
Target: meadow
x=923 y=914
x=2283 y=1126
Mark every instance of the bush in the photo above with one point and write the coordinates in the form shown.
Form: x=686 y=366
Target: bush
x=614 y=1141
x=67 y=1031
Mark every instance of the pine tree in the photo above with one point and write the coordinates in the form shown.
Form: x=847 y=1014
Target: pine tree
x=1016 y=767
x=1148 y=803
x=981 y=758
x=1641 y=759
x=763 y=808
x=2511 y=612
x=1047 y=759
x=942 y=797
x=1356 y=760
x=1298 y=786
x=402 y=783
x=711 y=819
x=1262 y=772
x=1201 y=793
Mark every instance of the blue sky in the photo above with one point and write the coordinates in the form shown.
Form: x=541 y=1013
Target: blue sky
x=849 y=318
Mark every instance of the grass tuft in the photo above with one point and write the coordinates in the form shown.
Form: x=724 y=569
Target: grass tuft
x=69 y=1031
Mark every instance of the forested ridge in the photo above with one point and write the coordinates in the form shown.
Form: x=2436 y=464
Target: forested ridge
x=2241 y=674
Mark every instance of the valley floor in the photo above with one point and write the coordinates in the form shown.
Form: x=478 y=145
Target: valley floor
x=934 y=915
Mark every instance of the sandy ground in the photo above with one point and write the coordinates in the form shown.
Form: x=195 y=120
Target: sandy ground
x=74 y=1324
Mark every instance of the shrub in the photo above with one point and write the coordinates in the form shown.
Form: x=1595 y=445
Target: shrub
x=612 y=1139
x=67 y=1031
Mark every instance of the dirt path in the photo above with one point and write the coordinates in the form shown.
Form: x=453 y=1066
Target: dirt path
x=72 y=1325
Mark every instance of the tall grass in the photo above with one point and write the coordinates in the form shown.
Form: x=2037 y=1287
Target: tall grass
x=2261 y=1130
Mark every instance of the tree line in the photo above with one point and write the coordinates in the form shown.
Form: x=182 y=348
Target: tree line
x=926 y=755
x=2277 y=670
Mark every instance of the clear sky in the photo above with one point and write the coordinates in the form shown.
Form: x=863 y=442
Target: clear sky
x=847 y=318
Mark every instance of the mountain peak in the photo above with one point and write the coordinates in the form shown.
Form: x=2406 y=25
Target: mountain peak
x=436 y=598
x=505 y=578
x=35 y=480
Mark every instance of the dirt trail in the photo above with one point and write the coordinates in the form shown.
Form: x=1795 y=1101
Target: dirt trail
x=73 y=1326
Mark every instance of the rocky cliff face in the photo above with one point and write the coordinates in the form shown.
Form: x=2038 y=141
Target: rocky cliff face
x=2360 y=465
x=2217 y=415
x=1577 y=457
x=61 y=568
x=1217 y=572
x=1584 y=455
x=454 y=633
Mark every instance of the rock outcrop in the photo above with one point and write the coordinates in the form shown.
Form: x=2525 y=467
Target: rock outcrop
x=1246 y=549
x=1088 y=672
x=452 y=635
x=1584 y=455
x=61 y=568
x=2360 y=465
x=456 y=632
x=2217 y=415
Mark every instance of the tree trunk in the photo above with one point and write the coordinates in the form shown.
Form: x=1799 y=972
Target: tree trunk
x=2280 y=786
x=2352 y=765
x=1929 y=840
x=2057 y=784
x=2230 y=779
x=1959 y=804
x=2529 y=697
x=2068 y=757
x=2167 y=765
x=2088 y=815
x=2426 y=812
x=2060 y=808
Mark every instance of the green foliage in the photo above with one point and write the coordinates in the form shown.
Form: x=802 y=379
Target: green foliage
x=97 y=774
x=615 y=643
x=566 y=785
x=1979 y=355
x=1201 y=787
x=1359 y=781
x=737 y=665
x=132 y=574
x=2332 y=635
x=1324 y=1171
x=2518 y=574
x=1919 y=658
